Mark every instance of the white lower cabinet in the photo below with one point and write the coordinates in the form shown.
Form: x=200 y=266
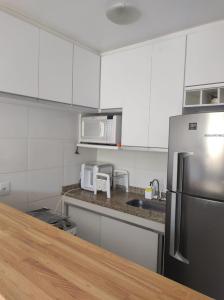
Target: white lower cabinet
x=129 y=241
x=88 y=224
x=134 y=243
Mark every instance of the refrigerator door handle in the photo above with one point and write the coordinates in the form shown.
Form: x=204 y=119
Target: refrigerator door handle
x=178 y=170
x=175 y=171
x=172 y=224
x=175 y=226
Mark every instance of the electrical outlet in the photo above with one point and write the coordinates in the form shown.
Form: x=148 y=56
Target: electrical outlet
x=4 y=188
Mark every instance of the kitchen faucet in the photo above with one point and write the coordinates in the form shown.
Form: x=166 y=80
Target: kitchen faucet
x=156 y=191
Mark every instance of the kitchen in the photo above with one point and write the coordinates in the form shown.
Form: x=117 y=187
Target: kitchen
x=86 y=136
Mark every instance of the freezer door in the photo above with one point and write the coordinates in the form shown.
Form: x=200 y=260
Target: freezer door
x=196 y=155
x=194 y=254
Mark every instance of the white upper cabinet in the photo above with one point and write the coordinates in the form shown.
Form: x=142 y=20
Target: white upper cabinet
x=125 y=83
x=136 y=66
x=55 y=68
x=113 y=80
x=148 y=83
x=205 y=56
x=86 y=78
x=167 y=85
x=18 y=56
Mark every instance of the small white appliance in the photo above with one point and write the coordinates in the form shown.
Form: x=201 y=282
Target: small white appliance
x=103 y=181
x=103 y=184
x=101 y=129
x=89 y=171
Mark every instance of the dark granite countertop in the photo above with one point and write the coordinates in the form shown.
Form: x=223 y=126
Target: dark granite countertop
x=117 y=201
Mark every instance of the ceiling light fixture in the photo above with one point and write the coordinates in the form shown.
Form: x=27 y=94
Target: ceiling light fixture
x=123 y=13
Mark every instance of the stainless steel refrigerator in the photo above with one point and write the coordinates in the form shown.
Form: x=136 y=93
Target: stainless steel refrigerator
x=194 y=237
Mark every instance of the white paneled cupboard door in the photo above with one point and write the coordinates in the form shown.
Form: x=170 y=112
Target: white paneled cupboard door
x=135 y=122
x=113 y=80
x=167 y=85
x=205 y=56
x=137 y=244
x=86 y=78
x=88 y=224
x=18 y=56
x=55 y=68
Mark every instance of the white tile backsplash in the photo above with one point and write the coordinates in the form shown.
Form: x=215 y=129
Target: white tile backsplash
x=121 y=159
x=13 y=155
x=153 y=161
x=45 y=154
x=44 y=183
x=18 y=196
x=68 y=154
x=13 y=121
x=143 y=166
x=50 y=123
x=37 y=153
x=71 y=173
x=70 y=157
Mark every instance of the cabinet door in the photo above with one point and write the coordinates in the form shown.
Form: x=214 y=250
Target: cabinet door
x=55 y=68
x=88 y=224
x=113 y=80
x=131 y=242
x=18 y=56
x=205 y=56
x=86 y=78
x=135 y=119
x=167 y=85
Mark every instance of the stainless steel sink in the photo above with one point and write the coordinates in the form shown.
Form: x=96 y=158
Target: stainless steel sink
x=147 y=204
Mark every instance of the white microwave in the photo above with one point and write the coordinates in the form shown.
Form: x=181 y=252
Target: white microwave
x=101 y=129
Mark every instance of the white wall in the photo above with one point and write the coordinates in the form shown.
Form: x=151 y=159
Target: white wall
x=143 y=166
x=37 y=147
x=37 y=153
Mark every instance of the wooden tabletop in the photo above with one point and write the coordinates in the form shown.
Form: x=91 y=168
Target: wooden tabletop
x=38 y=261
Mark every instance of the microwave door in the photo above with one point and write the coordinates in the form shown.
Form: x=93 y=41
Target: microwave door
x=94 y=130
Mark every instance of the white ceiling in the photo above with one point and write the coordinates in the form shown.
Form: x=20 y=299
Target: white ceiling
x=85 y=21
